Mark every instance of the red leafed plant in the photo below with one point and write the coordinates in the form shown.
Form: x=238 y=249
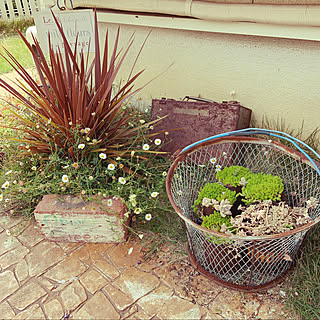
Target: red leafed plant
x=76 y=100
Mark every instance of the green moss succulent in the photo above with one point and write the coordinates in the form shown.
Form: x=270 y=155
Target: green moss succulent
x=214 y=191
x=233 y=175
x=262 y=187
x=215 y=221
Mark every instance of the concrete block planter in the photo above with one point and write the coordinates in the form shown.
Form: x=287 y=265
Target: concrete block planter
x=68 y=218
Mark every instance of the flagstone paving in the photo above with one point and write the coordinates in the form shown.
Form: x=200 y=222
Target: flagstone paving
x=47 y=280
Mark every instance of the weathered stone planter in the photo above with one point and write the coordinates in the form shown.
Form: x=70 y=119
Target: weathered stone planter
x=67 y=218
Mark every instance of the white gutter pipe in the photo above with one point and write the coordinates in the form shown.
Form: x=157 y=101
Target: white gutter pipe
x=303 y=15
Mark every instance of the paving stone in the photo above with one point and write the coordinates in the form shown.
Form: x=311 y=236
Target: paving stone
x=68 y=247
x=26 y=295
x=11 y=257
x=120 y=300
x=73 y=295
x=26 y=313
x=45 y=283
x=81 y=253
x=139 y=315
x=93 y=280
x=42 y=256
x=211 y=315
x=7 y=243
x=177 y=308
x=273 y=310
x=154 y=301
x=5 y=311
x=228 y=304
x=106 y=268
x=54 y=309
x=120 y=257
x=8 y=281
x=8 y=222
x=66 y=269
x=98 y=307
x=31 y=236
x=97 y=250
x=187 y=282
x=37 y=314
x=135 y=283
x=22 y=270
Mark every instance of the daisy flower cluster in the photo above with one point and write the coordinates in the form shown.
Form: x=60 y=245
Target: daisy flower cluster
x=138 y=176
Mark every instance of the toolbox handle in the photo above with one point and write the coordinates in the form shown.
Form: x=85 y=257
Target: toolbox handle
x=197 y=99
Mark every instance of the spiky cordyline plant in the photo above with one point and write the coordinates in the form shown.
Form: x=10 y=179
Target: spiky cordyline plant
x=75 y=94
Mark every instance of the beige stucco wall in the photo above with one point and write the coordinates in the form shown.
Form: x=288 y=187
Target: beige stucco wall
x=273 y=76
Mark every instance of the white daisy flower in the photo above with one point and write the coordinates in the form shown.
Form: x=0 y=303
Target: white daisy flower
x=102 y=155
x=34 y=168
x=142 y=121
x=5 y=185
x=86 y=130
x=132 y=197
x=140 y=236
x=8 y=232
x=111 y=166
x=81 y=146
x=145 y=147
x=109 y=202
x=82 y=130
x=90 y=177
x=157 y=142
x=164 y=173
x=122 y=180
x=10 y=171
x=88 y=138
x=154 y=194
x=1 y=197
x=137 y=210
x=65 y=178
x=213 y=160
x=148 y=216
x=166 y=133
x=179 y=193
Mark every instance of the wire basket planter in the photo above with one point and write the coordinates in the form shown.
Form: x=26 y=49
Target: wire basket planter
x=247 y=263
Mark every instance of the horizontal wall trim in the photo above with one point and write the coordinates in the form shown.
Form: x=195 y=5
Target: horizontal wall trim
x=242 y=28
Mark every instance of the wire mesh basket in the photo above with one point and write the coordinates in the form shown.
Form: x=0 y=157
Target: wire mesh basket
x=249 y=263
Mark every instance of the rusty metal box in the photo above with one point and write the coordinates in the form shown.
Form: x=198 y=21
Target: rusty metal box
x=196 y=120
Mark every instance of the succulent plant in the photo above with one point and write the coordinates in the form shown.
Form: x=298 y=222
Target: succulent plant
x=214 y=191
x=234 y=176
x=216 y=222
x=262 y=187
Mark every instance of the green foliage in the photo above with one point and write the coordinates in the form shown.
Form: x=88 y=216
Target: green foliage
x=263 y=187
x=215 y=221
x=76 y=102
x=10 y=27
x=232 y=175
x=25 y=180
x=303 y=285
x=214 y=191
x=17 y=47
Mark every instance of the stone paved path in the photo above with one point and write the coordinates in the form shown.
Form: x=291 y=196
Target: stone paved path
x=46 y=280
